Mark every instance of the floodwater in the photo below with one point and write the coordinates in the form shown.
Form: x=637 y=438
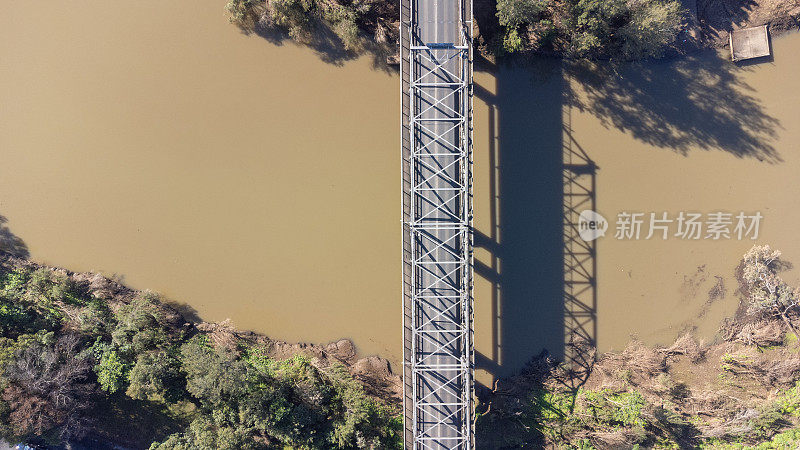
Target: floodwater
x=252 y=181
x=698 y=135
x=260 y=182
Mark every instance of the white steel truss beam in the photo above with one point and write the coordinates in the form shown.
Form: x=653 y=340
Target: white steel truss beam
x=439 y=232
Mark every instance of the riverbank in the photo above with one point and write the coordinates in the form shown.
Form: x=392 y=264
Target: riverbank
x=689 y=395
x=117 y=351
x=706 y=24
x=80 y=351
x=714 y=19
x=741 y=390
x=243 y=229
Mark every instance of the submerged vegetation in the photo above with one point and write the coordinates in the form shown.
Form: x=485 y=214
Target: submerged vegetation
x=742 y=391
x=78 y=353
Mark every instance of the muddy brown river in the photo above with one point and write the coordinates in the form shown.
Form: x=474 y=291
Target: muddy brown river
x=260 y=182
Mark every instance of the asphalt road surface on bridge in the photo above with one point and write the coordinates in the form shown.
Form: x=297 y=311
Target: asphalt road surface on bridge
x=440 y=191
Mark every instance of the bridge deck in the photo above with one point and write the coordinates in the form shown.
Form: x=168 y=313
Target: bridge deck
x=437 y=213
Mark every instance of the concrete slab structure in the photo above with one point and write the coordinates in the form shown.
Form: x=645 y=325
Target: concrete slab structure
x=749 y=43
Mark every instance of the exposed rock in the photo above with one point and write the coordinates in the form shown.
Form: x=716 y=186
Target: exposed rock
x=372 y=365
x=342 y=349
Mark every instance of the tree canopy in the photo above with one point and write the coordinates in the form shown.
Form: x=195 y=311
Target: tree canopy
x=65 y=353
x=627 y=29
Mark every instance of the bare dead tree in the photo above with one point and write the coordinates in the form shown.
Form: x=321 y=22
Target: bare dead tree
x=766 y=290
x=49 y=387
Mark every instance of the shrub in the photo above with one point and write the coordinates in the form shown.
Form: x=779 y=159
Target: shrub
x=95 y=318
x=627 y=29
x=513 y=13
x=652 y=26
x=361 y=422
x=111 y=370
x=157 y=376
x=769 y=419
x=241 y=12
x=216 y=379
x=138 y=327
x=789 y=401
x=624 y=408
x=204 y=434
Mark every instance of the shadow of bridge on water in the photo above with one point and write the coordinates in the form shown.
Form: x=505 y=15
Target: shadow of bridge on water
x=536 y=279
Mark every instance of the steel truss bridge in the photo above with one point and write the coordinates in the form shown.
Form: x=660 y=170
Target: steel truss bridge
x=438 y=360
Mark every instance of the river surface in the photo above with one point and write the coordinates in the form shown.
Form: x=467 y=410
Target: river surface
x=260 y=182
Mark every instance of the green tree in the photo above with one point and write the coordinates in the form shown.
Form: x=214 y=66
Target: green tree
x=111 y=369
x=238 y=397
x=523 y=20
x=216 y=378
x=24 y=307
x=204 y=434
x=632 y=29
x=139 y=326
x=14 y=318
x=628 y=29
x=361 y=421
x=513 y=13
x=651 y=27
x=590 y=25
x=157 y=375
